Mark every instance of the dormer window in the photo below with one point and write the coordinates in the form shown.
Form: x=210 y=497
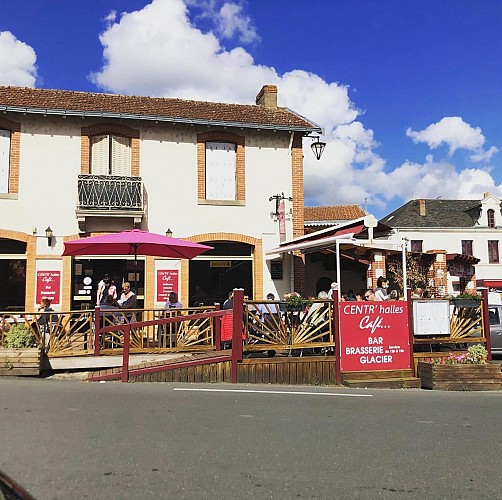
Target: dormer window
x=490 y=214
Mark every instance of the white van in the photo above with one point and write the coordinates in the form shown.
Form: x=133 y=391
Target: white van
x=495 y=314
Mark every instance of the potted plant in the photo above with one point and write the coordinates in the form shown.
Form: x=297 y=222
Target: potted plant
x=295 y=302
x=469 y=371
x=20 y=354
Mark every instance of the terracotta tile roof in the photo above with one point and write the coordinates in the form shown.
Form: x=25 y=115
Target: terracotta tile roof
x=332 y=214
x=60 y=101
x=438 y=213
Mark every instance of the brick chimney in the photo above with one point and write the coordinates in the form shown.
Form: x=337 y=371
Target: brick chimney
x=421 y=208
x=267 y=96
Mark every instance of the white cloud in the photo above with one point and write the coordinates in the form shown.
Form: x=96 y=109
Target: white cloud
x=17 y=62
x=232 y=22
x=453 y=132
x=173 y=57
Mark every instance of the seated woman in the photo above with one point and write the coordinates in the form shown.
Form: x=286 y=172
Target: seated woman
x=44 y=320
x=127 y=300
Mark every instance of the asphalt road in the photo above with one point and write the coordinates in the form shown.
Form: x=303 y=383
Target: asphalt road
x=70 y=439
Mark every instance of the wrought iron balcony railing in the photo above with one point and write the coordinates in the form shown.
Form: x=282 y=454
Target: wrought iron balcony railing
x=109 y=192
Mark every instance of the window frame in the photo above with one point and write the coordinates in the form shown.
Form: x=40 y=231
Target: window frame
x=110 y=129
x=490 y=217
x=493 y=252
x=111 y=148
x=414 y=244
x=14 y=128
x=240 y=167
x=223 y=167
x=467 y=247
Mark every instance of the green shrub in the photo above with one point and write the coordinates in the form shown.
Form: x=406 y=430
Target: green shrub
x=20 y=336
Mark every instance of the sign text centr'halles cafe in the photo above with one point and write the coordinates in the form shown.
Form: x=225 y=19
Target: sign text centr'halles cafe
x=374 y=336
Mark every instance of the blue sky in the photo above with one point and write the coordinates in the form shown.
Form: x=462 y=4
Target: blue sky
x=408 y=92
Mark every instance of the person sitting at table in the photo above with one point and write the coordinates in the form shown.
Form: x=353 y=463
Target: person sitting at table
x=109 y=306
x=169 y=340
x=44 y=307
x=43 y=321
x=173 y=302
x=128 y=301
x=109 y=315
x=269 y=310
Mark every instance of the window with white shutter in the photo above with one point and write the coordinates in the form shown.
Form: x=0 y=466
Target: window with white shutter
x=220 y=171
x=100 y=155
x=4 y=160
x=110 y=155
x=121 y=156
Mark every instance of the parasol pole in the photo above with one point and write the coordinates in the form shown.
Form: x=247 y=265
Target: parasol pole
x=136 y=269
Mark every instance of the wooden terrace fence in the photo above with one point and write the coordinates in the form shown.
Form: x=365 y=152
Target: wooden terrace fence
x=101 y=331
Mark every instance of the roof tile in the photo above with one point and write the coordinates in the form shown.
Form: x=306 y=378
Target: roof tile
x=438 y=213
x=65 y=100
x=333 y=213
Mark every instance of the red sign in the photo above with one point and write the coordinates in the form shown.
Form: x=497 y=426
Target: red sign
x=167 y=282
x=374 y=336
x=48 y=285
x=281 y=216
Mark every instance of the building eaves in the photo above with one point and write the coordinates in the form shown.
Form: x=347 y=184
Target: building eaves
x=86 y=104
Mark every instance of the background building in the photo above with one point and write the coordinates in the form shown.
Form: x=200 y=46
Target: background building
x=467 y=231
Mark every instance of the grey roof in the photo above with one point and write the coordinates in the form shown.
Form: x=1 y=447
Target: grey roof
x=438 y=213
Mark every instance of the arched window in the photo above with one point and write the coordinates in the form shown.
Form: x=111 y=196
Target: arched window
x=491 y=217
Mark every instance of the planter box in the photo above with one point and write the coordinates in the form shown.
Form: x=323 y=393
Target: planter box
x=466 y=302
x=20 y=361
x=460 y=377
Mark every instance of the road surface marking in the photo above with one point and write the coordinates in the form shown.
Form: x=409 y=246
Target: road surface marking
x=277 y=392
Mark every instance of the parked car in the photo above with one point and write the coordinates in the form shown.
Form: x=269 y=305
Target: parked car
x=495 y=313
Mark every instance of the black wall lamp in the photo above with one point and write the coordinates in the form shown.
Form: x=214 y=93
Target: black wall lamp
x=317 y=147
x=169 y=233
x=49 y=235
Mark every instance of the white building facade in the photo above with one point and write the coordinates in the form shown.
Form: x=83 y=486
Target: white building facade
x=83 y=164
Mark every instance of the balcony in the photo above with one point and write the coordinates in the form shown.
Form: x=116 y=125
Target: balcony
x=109 y=196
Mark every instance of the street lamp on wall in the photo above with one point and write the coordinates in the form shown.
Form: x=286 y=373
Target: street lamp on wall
x=49 y=235
x=317 y=147
x=169 y=233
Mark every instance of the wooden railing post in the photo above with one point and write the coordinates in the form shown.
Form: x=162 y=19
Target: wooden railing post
x=237 y=332
x=336 y=333
x=125 y=353
x=217 y=328
x=410 y=329
x=97 y=326
x=486 y=322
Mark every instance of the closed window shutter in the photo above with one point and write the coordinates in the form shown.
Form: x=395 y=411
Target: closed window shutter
x=4 y=160
x=121 y=156
x=220 y=171
x=100 y=156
